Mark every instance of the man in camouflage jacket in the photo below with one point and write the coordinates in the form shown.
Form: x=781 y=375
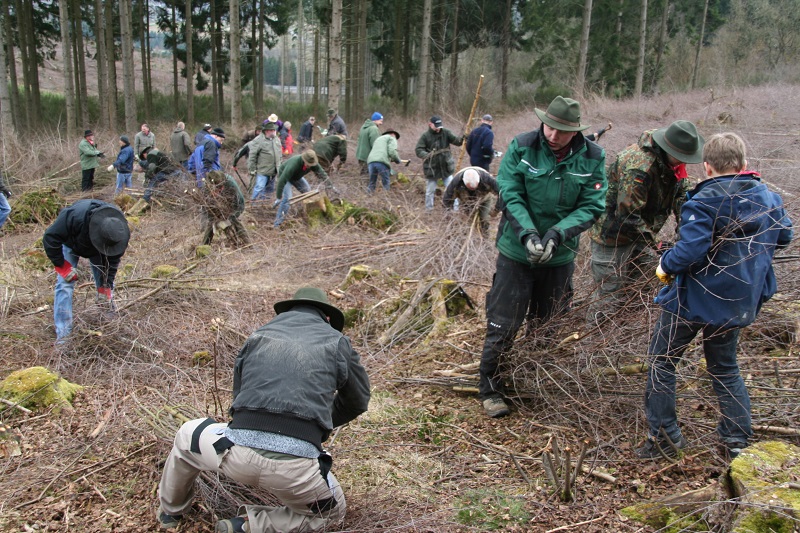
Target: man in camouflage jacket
x=646 y=183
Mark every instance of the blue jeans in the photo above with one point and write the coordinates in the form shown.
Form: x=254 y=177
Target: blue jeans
x=263 y=188
x=375 y=170
x=302 y=186
x=671 y=336
x=62 y=301
x=123 y=180
x=5 y=209
x=430 y=192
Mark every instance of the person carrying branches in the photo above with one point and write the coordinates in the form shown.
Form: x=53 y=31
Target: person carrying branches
x=222 y=202
x=433 y=147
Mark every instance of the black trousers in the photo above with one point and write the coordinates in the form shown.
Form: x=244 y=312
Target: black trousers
x=519 y=291
x=87 y=179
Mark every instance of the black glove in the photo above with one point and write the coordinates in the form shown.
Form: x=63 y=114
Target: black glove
x=101 y=155
x=551 y=242
x=6 y=193
x=533 y=247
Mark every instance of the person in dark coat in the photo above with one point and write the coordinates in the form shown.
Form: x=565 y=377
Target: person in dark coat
x=306 y=133
x=480 y=144
x=123 y=165
x=96 y=231
x=295 y=379
x=475 y=189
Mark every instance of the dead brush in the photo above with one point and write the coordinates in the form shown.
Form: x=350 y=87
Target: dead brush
x=559 y=469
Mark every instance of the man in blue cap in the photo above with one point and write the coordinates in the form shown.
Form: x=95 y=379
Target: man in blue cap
x=366 y=138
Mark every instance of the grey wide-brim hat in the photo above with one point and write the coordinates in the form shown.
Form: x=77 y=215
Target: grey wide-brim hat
x=563 y=114
x=109 y=231
x=316 y=298
x=681 y=140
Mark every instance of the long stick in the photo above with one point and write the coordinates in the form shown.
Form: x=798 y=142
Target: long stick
x=468 y=128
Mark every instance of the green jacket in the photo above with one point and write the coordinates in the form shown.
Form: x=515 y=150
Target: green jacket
x=224 y=200
x=642 y=192
x=384 y=150
x=292 y=170
x=366 y=139
x=541 y=194
x=434 y=150
x=89 y=155
x=264 y=157
x=329 y=147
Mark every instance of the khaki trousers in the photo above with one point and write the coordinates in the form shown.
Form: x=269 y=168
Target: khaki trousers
x=297 y=482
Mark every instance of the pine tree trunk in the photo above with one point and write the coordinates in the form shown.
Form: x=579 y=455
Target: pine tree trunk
x=317 y=69
x=398 y=65
x=175 y=94
x=425 y=58
x=129 y=85
x=662 y=43
x=236 y=67
x=189 y=63
x=80 y=64
x=66 y=48
x=102 y=64
x=24 y=35
x=6 y=116
x=34 y=66
x=259 y=103
x=349 y=30
x=699 y=45
x=282 y=71
x=335 y=56
x=111 y=59
x=580 y=83
x=454 y=51
x=301 y=54
x=220 y=71
x=407 y=61
x=214 y=86
x=16 y=109
x=147 y=81
x=363 y=70
x=637 y=89
x=506 y=53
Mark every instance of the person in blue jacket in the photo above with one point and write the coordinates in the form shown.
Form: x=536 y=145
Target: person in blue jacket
x=718 y=276
x=123 y=165
x=480 y=144
x=205 y=157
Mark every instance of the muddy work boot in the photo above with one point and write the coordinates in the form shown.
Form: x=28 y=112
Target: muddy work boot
x=237 y=524
x=495 y=407
x=665 y=447
x=167 y=521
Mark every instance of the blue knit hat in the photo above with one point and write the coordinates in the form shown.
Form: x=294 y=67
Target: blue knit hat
x=376 y=116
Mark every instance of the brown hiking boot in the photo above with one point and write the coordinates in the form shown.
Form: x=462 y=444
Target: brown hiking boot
x=495 y=407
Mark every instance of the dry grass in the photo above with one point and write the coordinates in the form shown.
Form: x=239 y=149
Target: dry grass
x=422 y=453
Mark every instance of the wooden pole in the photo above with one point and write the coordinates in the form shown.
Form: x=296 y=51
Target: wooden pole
x=468 y=127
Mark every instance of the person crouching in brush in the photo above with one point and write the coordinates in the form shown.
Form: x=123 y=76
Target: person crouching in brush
x=223 y=202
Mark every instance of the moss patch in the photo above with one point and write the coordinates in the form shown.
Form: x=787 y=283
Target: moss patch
x=37 y=207
x=38 y=388
x=164 y=271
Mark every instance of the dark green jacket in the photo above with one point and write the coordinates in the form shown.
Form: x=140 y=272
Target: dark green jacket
x=328 y=148
x=89 y=154
x=541 y=194
x=292 y=170
x=434 y=150
x=642 y=192
x=366 y=139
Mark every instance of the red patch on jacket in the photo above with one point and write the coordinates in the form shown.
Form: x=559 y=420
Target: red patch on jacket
x=598 y=186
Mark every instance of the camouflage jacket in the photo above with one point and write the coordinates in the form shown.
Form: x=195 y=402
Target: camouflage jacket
x=642 y=192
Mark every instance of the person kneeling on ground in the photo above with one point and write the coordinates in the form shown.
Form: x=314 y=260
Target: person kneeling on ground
x=223 y=202
x=158 y=167
x=475 y=189
x=279 y=419
x=718 y=276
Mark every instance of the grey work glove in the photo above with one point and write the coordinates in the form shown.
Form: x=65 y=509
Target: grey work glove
x=551 y=242
x=534 y=248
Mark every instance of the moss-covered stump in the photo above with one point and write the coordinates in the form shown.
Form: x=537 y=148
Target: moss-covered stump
x=203 y=250
x=37 y=207
x=761 y=478
x=38 y=388
x=164 y=271
x=674 y=513
x=124 y=201
x=358 y=273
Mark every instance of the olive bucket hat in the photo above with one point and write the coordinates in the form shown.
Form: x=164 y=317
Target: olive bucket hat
x=314 y=297
x=109 y=231
x=563 y=114
x=681 y=140
x=309 y=158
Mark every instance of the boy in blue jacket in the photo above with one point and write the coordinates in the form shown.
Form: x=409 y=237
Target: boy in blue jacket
x=719 y=274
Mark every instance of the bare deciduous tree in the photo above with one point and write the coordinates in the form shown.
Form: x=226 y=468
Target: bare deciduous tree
x=335 y=75
x=66 y=50
x=128 y=83
x=637 y=89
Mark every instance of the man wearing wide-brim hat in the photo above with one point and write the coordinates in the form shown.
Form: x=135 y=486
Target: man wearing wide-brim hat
x=646 y=184
x=553 y=183
x=295 y=380
x=92 y=229
x=292 y=174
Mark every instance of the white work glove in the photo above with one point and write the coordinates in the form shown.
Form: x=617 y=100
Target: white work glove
x=110 y=168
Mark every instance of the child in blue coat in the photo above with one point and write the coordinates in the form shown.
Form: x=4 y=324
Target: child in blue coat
x=719 y=274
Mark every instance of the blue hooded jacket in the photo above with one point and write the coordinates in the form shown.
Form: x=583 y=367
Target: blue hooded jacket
x=730 y=227
x=480 y=146
x=124 y=162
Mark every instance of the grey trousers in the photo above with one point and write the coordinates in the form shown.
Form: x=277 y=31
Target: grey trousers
x=613 y=269
x=297 y=482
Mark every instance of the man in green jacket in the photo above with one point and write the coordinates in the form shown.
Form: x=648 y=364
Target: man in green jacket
x=89 y=154
x=329 y=148
x=366 y=138
x=292 y=172
x=383 y=152
x=433 y=147
x=264 y=161
x=553 y=184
